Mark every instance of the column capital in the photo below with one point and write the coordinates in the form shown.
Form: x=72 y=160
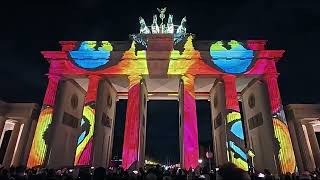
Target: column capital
x=270 y=75
x=228 y=78
x=188 y=78
x=92 y=88
x=134 y=79
x=54 y=77
x=191 y=76
x=94 y=76
x=188 y=83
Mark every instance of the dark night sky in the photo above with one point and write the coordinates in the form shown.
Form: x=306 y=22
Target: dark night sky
x=28 y=27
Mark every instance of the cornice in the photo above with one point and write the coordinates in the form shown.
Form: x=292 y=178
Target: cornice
x=270 y=54
x=54 y=55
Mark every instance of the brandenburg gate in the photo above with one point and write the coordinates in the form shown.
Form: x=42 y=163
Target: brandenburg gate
x=162 y=62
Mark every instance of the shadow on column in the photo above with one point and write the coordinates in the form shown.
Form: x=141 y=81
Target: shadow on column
x=4 y=144
x=120 y=120
x=204 y=129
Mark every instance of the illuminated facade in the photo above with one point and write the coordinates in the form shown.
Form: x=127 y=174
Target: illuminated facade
x=158 y=64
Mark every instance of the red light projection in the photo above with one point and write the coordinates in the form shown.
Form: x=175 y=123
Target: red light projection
x=131 y=133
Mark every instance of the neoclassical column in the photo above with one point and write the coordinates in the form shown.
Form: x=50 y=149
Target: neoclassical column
x=11 y=145
x=28 y=143
x=237 y=152
x=314 y=144
x=189 y=141
x=104 y=124
x=40 y=142
x=23 y=141
x=284 y=149
x=84 y=151
x=2 y=123
x=131 y=143
x=306 y=157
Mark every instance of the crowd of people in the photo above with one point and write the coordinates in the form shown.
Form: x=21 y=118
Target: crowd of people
x=228 y=171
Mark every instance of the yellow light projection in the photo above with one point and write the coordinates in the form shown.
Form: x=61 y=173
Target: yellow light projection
x=39 y=145
x=233 y=116
x=238 y=162
x=133 y=63
x=286 y=154
x=81 y=154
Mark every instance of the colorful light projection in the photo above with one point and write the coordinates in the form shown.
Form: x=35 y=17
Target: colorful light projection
x=235 y=60
x=39 y=145
x=84 y=145
x=285 y=152
x=190 y=128
x=83 y=156
x=189 y=62
x=235 y=135
x=40 y=142
x=131 y=133
x=90 y=55
x=133 y=62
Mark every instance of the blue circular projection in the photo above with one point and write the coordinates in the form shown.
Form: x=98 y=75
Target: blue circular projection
x=235 y=61
x=88 y=57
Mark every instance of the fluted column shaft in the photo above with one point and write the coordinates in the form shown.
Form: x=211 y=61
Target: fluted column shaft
x=84 y=150
x=234 y=132
x=283 y=146
x=39 y=148
x=314 y=144
x=11 y=145
x=132 y=125
x=190 y=147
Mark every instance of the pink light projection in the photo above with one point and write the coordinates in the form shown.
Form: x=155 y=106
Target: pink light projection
x=190 y=127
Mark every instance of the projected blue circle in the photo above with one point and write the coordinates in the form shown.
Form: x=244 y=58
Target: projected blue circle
x=90 y=59
x=236 y=60
x=89 y=56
